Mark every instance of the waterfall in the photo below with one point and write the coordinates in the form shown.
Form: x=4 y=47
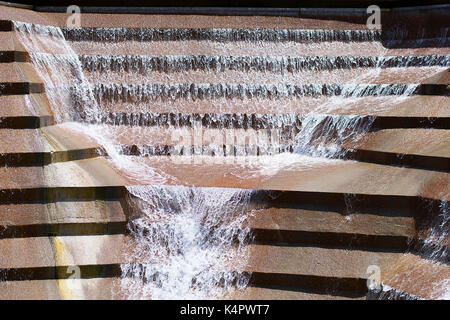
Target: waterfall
x=183 y=238
x=186 y=240
x=181 y=234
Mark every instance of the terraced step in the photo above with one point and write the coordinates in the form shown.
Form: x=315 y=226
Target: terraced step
x=276 y=64
x=63 y=143
x=176 y=21
x=43 y=256
x=305 y=174
x=420 y=277
x=237 y=49
x=29 y=105
x=426 y=75
x=311 y=268
x=29 y=111
x=256 y=293
x=414 y=147
x=138 y=93
x=332 y=271
x=335 y=229
x=14 y=88
x=71 y=289
x=300 y=174
x=219 y=90
x=62 y=218
x=319 y=224
x=18 y=72
x=402 y=107
x=31 y=147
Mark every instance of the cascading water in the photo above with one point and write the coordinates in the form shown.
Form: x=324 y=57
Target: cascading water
x=183 y=233
x=190 y=241
x=186 y=240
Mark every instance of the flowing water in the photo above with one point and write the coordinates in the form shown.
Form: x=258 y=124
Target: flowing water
x=188 y=239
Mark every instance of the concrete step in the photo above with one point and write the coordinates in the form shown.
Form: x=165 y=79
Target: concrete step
x=303 y=174
x=62 y=218
x=402 y=107
x=420 y=148
x=276 y=64
x=66 y=289
x=175 y=21
x=27 y=105
x=163 y=91
x=299 y=173
x=420 y=277
x=109 y=288
x=18 y=72
x=15 y=88
x=438 y=75
x=238 y=49
x=64 y=143
x=138 y=93
x=79 y=173
x=332 y=229
x=33 y=147
x=257 y=293
x=334 y=271
x=40 y=255
x=424 y=142
x=31 y=111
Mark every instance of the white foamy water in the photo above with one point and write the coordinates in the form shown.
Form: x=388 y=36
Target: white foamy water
x=182 y=233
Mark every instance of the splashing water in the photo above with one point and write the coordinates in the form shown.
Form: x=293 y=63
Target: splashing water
x=183 y=232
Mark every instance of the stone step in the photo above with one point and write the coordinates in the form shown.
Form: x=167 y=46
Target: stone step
x=79 y=173
x=437 y=75
x=401 y=108
x=15 y=88
x=31 y=111
x=68 y=289
x=138 y=93
x=375 y=147
x=275 y=64
x=162 y=91
x=298 y=173
x=257 y=293
x=18 y=72
x=262 y=120
x=311 y=268
x=420 y=277
x=236 y=49
x=175 y=21
x=25 y=122
x=406 y=141
x=332 y=229
x=42 y=254
x=62 y=218
x=423 y=142
x=423 y=148
x=27 y=105
x=109 y=288
x=32 y=147
x=8 y=56
x=66 y=143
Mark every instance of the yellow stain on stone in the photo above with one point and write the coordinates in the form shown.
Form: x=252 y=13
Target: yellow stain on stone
x=70 y=289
